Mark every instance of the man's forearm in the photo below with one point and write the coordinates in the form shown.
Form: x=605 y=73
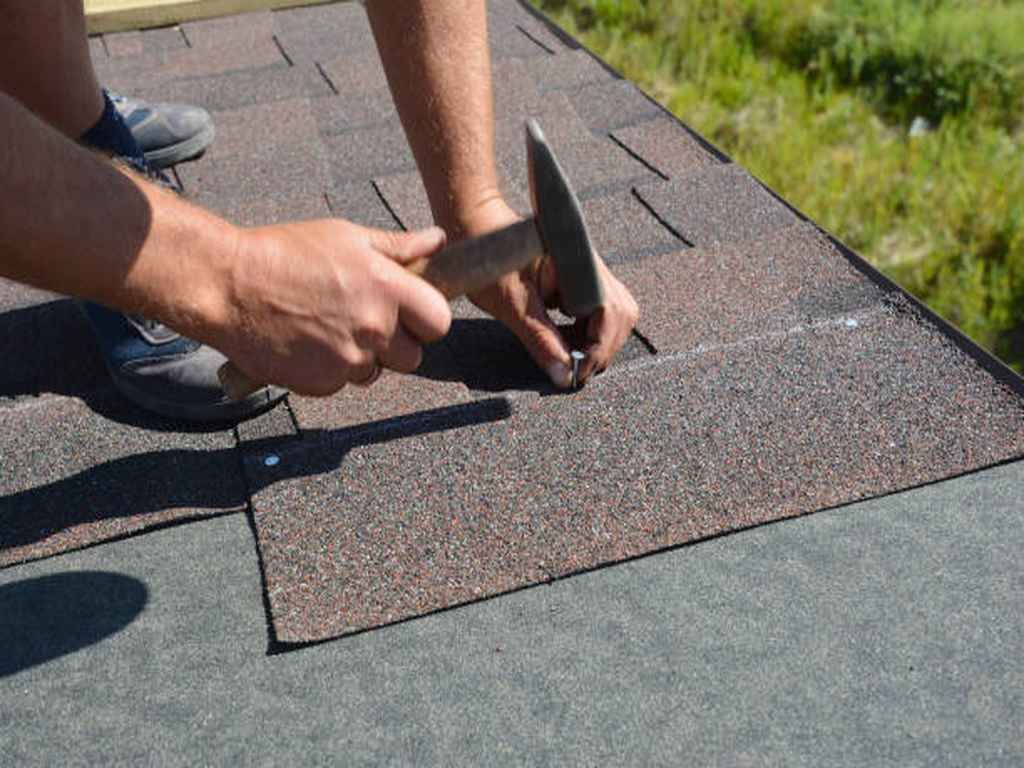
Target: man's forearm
x=436 y=56
x=70 y=222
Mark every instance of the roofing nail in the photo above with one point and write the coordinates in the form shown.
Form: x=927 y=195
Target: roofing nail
x=577 y=358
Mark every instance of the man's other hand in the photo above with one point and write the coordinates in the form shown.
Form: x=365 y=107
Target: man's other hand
x=316 y=305
x=520 y=301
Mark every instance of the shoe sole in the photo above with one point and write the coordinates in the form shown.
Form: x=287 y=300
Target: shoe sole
x=255 y=404
x=173 y=154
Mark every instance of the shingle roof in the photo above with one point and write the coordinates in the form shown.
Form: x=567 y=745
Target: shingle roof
x=772 y=374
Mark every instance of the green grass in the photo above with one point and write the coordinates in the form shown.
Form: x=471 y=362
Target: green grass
x=816 y=99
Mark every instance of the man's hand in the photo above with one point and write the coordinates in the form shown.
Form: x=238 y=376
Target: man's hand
x=520 y=301
x=319 y=304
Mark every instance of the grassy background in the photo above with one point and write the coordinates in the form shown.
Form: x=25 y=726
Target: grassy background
x=817 y=98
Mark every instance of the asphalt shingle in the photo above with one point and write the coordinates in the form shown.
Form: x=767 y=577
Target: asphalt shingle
x=609 y=105
x=722 y=204
x=704 y=297
x=264 y=84
x=48 y=349
x=785 y=379
x=267 y=165
x=102 y=479
x=679 y=449
x=666 y=146
x=254 y=30
x=151 y=41
x=323 y=32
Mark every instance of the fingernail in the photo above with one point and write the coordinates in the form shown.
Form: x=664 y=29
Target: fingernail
x=560 y=375
x=435 y=235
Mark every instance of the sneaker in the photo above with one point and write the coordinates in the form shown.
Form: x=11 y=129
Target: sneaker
x=166 y=133
x=167 y=373
x=150 y=364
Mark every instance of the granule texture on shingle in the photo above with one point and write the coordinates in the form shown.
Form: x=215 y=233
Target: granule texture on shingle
x=607 y=106
x=723 y=204
x=369 y=152
x=337 y=115
x=262 y=211
x=621 y=229
x=275 y=82
x=321 y=32
x=260 y=132
x=74 y=478
x=393 y=396
x=407 y=198
x=151 y=41
x=18 y=296
x=158 y=68
x=246 y=29
x=719 y=295
x=666 y=145
x=359 y=202
x=355 y=534
x=275 y=424
x=561 y=71
x=515 y=32
x=594 y=166
x=270 y=156
x=48 y=348
x=351 y=75
x=97 y=50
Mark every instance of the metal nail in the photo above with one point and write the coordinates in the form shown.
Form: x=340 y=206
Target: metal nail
x=577 y=358
x=271 y=460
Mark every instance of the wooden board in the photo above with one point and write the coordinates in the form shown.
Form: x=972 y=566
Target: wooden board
x=119 y=15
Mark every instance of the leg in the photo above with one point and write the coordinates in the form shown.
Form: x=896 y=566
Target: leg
x=45 y=63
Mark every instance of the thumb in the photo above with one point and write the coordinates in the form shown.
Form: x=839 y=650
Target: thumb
x=543 y=341
x=406 y=247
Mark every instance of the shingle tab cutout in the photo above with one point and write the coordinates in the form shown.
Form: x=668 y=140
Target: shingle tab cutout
x=685 y=447
x=784 y=380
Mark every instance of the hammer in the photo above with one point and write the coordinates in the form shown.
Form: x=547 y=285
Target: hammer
x=556 y=230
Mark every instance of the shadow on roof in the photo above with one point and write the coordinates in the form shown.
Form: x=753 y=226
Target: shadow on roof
x=48 y=617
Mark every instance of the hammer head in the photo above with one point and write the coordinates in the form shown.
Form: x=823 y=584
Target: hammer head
x=562 y=228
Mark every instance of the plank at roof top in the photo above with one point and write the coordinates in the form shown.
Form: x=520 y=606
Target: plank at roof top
x=78 y=477
x=362 y=532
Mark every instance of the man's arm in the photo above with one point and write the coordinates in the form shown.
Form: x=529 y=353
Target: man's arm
x=308 y=306
x=436 y=56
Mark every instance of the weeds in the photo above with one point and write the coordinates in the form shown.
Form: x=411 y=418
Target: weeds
x=815 y=97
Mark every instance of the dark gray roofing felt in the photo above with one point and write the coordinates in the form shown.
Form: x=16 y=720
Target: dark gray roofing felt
x=884 y=633
x=773 y=374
